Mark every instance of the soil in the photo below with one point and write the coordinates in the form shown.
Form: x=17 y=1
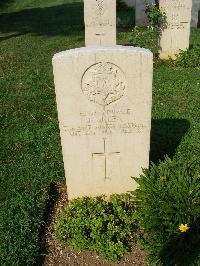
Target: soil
x=55 y=254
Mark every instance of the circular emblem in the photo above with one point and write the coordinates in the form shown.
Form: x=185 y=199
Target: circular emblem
x=103 y=83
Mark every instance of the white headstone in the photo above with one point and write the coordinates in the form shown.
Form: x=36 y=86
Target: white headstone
x=104 y=108
x=176 y=33
x=100 y=22
x=140 y=15
x=195 y=13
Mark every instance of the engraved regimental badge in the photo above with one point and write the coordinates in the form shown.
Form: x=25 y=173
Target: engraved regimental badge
x=103 y=83
x=100 y=7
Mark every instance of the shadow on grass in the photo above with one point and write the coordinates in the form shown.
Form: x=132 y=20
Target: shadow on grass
x=47 y=218
x=184 y=249
x=5 y=3
x=166 y=135
x=64 y=19
x=12 y=35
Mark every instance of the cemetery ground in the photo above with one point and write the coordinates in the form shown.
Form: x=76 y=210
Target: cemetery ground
x=31 y=32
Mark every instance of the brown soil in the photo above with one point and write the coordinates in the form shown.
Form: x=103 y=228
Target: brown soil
x=59 y=255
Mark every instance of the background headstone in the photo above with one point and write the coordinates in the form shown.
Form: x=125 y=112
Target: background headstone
x=100 y=22
x=195 y=13
x=104 y=108
x=140 y=15
x=176 y=31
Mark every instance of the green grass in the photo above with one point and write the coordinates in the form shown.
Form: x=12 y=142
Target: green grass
x=30 y=33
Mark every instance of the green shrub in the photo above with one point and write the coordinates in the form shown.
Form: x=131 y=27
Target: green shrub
x=189 y=58
x=96 y=224
x=168 y=201
x=155 y=16
x=146 y=38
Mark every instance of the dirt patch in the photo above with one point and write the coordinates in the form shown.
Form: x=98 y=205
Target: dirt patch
x=59 y=255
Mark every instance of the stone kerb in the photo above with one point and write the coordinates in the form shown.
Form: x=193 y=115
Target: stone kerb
x=103 y=99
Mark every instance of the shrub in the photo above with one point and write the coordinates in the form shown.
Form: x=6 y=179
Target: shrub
x=155 y=16
x=93 y=223
x=168 y=211
x=146 y=38
x=189 y=58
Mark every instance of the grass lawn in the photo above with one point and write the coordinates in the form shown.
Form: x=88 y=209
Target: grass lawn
x=31 y=32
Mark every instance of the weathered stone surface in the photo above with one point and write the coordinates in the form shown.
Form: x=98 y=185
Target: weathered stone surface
x=195 y=13
x=140 y=15
x=175 y=34
x=100 y=22
x=104 y=109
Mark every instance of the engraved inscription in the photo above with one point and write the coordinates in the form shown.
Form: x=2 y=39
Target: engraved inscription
x=98 y=22
x=106 y=123
x=175 y=3
x=176 y=16
x=103 y=83
x=99 y=19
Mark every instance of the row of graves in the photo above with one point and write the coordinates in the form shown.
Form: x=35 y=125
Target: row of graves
x=104 y=98
x=141 y=18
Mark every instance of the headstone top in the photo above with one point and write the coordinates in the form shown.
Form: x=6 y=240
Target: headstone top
x=99 y=49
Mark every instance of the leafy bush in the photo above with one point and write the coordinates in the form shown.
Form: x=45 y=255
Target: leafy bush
x=155 y=16
x=189 y=58
x=168 y=211
x=93 y=223
x=146 y=38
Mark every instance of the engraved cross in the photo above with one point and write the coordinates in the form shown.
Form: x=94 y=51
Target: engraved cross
x=100 y=35
x=105 y=155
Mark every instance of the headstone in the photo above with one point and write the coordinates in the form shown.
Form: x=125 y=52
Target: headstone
x=104 y=108
x=100 y=22
x=140 y=15
x=195 y=13
x=130 y=3
x=176 y=31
